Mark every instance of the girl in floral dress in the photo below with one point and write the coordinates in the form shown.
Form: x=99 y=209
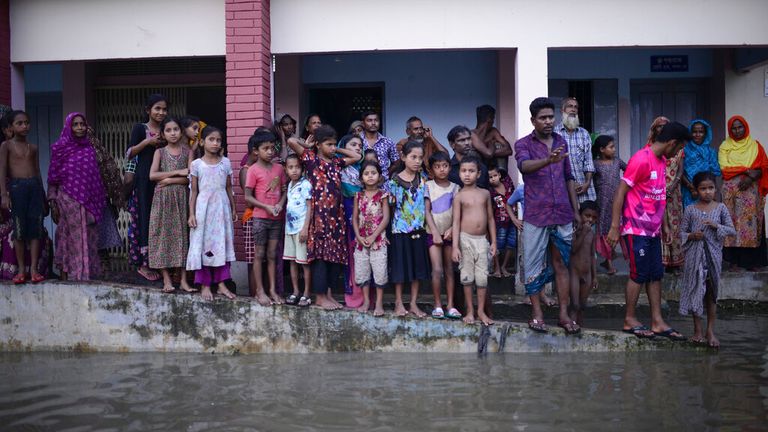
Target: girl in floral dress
x=168 y=235
x=211 y=217
x=326 y=243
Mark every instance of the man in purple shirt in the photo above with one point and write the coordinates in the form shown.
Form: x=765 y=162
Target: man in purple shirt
x=385 y=148
x=551 y=207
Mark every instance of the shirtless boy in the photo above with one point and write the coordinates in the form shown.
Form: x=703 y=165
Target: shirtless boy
x=583 y=262
x=472 y=222
x=26 y=198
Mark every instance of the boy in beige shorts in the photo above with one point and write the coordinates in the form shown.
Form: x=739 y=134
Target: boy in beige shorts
x=473 y=221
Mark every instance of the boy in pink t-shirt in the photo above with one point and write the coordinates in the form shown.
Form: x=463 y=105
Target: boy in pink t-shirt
x=638 y=212
x=265 y=192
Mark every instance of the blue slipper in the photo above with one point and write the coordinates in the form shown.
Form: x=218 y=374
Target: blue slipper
x=671 y=334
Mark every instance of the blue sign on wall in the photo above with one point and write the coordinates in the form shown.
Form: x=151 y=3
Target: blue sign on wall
x=669 y=63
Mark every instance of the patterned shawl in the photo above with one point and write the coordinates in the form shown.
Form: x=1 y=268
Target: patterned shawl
x=701 y=157
x=739 y=156
x=74 y=168
x=110 y=173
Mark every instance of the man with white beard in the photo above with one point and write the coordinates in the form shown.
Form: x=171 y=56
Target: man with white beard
x=415 y=130
x=579 y=149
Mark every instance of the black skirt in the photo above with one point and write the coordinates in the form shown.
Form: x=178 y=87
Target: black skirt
x=408 y=257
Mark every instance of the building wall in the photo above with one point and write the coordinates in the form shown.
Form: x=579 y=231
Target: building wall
x=745 y=96
x=448 y=24
x=5 y=54
x=442 y=88
x=55 y=30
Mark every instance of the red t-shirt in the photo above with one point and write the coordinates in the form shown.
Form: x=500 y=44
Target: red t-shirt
x=267 y=185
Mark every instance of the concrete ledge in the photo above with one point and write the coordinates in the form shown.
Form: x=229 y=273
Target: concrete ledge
x=58 y=316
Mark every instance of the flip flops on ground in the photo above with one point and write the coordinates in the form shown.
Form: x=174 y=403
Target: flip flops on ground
x=438 y=313
x=640 y=331
x=570 y=327
x=537 y=326
x=19 y=279
x=671 y=334
x=305 y=301
x=453 y=313
x=292 y=300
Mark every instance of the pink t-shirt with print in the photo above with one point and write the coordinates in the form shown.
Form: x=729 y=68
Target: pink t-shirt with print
x=646 y=199
x=267 y=185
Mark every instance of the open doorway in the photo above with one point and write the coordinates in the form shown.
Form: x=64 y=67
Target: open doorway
x=340 y=104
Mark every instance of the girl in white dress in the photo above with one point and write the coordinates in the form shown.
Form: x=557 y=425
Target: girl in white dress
x=212 y=213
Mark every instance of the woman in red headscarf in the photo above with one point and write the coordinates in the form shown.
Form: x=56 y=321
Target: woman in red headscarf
x=745 y=183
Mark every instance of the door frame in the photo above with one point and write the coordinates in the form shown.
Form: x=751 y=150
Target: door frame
x=304 y=100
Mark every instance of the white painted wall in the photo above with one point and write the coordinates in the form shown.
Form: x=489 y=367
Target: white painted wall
x=745 y=96
x=343 y=25
x=56 y=30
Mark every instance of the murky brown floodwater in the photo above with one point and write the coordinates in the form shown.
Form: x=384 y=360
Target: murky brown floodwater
x=376 y=392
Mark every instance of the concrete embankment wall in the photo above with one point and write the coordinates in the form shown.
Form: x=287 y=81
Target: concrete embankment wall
x=99 y=317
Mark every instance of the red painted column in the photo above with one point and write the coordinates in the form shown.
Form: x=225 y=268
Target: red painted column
x=248 y=84
x=5 y=54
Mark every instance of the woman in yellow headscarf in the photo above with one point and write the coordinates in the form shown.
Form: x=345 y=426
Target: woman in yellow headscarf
x=745 y=183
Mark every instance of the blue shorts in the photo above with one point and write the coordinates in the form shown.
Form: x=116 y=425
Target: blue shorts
x=506 y=237
x=644 y=258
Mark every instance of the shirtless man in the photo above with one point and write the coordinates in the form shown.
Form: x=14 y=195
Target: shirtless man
x=26 y=198
x=472 y=223
x=494 y=145
x=583 y=262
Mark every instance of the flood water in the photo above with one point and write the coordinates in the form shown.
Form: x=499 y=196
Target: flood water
x=651 y=391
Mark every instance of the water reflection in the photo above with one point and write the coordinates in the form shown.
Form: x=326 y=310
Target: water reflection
x=382 y=392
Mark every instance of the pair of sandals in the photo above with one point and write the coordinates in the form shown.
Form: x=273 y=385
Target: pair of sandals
x=453 y=313
x=295 y=300
x=570 y=327
x=21 y=278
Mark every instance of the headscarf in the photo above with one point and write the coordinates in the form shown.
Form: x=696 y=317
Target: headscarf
x=701 y=157
x=738 y=156
x=656 y=122
x=75 y=169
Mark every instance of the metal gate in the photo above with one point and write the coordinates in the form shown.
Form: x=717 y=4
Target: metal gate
x=117 y=110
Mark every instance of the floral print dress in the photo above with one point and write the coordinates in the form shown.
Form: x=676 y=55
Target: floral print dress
x=672 y=252
x=327 y=228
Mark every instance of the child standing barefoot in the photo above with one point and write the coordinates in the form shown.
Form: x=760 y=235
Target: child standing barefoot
x=607 y=177
x=705 y=225
x=472 y=221
x=583 y=264
x=501 y=189
x=26 y=198
x=369 y=221
x=439 y=213
x=168 y=234
x=211 y=214
x=408 y=255
x=326 y=245
x=297 y=228
x=265 y=191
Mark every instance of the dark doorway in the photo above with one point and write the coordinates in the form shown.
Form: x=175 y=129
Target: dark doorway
x=340 y=105
x=209 y=104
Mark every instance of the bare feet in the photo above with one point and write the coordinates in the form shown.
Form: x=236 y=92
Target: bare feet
x=484 y=318
x=276 y=299
x=496 y=274
x=469 y=318
x=505 y=273
x=185 y=286
x=325 y=303
x=414 y=309
x=400 y=310
x=168 y=288
x=148 y=274
x=333 y=301
x=712 y=341
x=378 y=312
x=206 y=294
x=364 y=307
x=223 y=290
x=263 y=300
x=547 y=301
